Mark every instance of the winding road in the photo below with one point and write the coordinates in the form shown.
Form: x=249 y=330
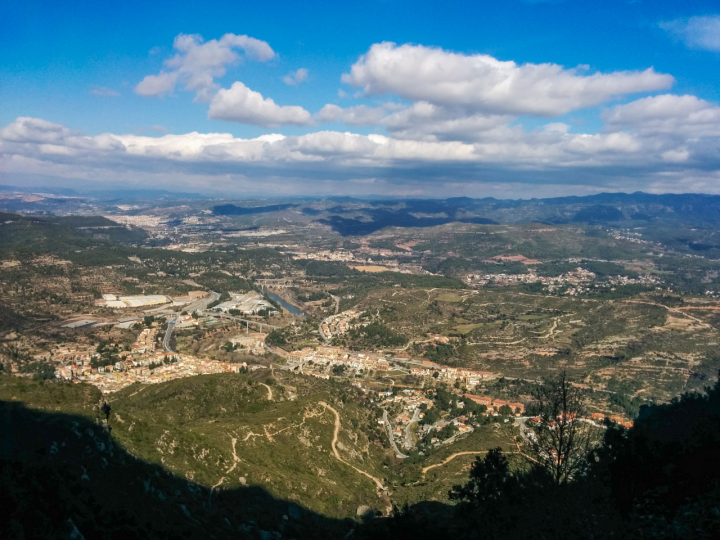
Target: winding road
x=168 y=334
x=409 y=443
x=388 y=427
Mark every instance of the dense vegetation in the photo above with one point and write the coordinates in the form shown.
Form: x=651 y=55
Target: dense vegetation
x=375 y=335
x=658 y=480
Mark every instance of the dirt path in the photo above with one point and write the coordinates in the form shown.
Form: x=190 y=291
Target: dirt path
x=270 y=394
x=333 y=444
x=550 y=332
x=673 y=310
x=453 y=456
x=236 y=459
x=449 y=459
x=138 y=391
x=496 y=342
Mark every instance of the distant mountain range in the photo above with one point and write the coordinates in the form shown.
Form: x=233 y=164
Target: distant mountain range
x=355 y=217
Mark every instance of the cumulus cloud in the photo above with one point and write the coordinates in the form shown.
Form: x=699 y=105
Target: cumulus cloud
x=696 y=32
x=448 y=116
x=240 y=104
x=296 y=77
x=103 y=91
x=157 y=85
x=667 y=114
x=420 y=121
x=350 y=155
x=482 y=84
x=197 y=64
x=359 y=115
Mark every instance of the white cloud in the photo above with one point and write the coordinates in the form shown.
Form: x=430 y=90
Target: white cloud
x=482 y=84
x=157 y=85
x=359 y=115
x=330 y=152
x=296 y=77
x=420 y=121
x=240 y=104
x=667 y=114
x=696 y=32
x=197 y=64
x=103 y=91
x=425 y=121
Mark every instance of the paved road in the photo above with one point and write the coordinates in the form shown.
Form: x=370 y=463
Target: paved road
x=409 y=443
x=202 y=303
x=168 y=334
x=388 y=427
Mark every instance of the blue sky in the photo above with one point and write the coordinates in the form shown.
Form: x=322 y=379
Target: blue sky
x=75 y=69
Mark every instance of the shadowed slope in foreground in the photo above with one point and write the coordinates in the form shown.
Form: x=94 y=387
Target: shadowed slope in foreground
x=61 y=473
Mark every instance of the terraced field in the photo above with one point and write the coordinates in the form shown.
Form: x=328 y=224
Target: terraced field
x=639 y=345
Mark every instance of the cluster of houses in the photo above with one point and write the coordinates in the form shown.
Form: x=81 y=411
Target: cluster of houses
x=68 y=354
x=595 y=418
x=337 y=324
x=470 y=377
x=325 y=357
x=615 y=281
x=145 y=342
x=577 y=279
x=126 y=372
x=333 y=356
x=411 y=401
x=493 y=405
x=326 y=255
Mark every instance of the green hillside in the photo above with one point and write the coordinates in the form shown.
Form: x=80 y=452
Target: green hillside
x=222 y=432
x=71 y=479
x=63 y=235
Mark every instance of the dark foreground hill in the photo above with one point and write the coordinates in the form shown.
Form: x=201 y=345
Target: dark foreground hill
x=63 y=475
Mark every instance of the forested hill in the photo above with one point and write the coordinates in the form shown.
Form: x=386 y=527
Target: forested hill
x=71 y=479
x=63 y=473
x=61 y=235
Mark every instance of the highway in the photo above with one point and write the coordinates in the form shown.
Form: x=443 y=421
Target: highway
x=197 y=305
x=202 y=303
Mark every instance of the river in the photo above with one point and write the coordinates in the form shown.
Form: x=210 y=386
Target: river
x=292 y=309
